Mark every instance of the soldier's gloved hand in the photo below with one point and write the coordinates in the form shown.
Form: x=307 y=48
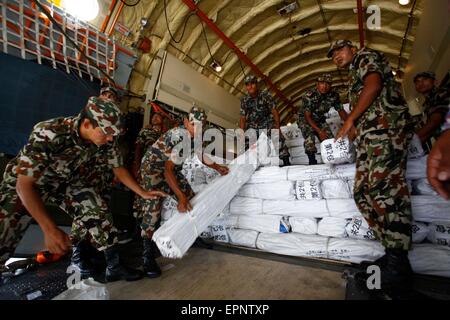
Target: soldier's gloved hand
x=223 y=170
x=57 y=241
x=184 y=205
x=150 y=195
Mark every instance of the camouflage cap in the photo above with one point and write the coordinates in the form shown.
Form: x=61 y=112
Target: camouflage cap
x=250 y=79
x=425 y=74
x=326 y=77
x=337 y=45
x=197 y=114
x=109 y=89
x=106 y=114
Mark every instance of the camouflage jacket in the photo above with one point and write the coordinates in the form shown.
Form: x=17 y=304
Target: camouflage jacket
x=147 y=137
x=389 y=110
x=436 y=102
x=161 y=151
x=319 y=104
x=258 y=111
x=56 y=154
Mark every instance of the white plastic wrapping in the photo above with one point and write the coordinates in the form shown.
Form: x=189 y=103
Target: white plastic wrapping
x=268 y=175
x=354 y=251
x=344 y=171
x=246 y=206
x=244 y=238
x=308 y=190
x=219 y=228
x=439 y=233
x=430 y=259
x=281 y=190
x=430 y=209
x=357 y=228
x=332 y=227
x=264 y=223
x=423 y=187
x=415 y=149
x=351 y=185
x=320 y=172
x=293 y=244
x=419 y=232
x=176 y=236
x=342 y=208
x=303 y=225
x=337 y=152
x=296 y=208
x=335 y=189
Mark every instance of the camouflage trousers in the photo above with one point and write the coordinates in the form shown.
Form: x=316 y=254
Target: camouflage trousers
x=310 y=137
x=380 y=191
x=148 y=212
x=91 y=218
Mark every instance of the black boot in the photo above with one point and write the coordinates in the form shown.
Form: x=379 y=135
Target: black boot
x=396 y=270
x=151 y=268
x=81 y=259
x=116 y=271
x=312 y=158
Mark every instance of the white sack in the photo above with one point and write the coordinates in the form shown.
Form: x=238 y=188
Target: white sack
x=246 y=206
x=308 y=190
x=357 y=228
x=207 y=233
x=344 y=171
x=332 y=227
x=354 y=251
x=337 y=152
x=269 y=174
x=335 y=189
x=300 y=160
x=419 y=232
x=415 y=149
x=320 y=172
x=292 y=143
x=176 y=236
x=430 y=209
x=439 y=233
x=281 y=190
x=293 y=244
x=219 y=228
x=416 y=168
x=351 y=185
x=342 y=208
x=264 y=223
x=291 y=132
x=297 y=152
x=430 y=259
x=423 y=187
x=241 y=237
x=303 y=225
x=296 y=208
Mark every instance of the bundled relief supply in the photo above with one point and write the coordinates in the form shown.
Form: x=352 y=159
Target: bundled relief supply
x=308 y=190
x=337 y=151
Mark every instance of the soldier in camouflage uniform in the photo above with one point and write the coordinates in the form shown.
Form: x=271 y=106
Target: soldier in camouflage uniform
x=438 y=162
x=381 y=117
x=258 y=112
x=52 y=167
x=146 y=138
x=159 y=169
x=316 y=103
x=434 y=108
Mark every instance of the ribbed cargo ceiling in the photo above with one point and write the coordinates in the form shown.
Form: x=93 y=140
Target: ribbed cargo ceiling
x=274 y=43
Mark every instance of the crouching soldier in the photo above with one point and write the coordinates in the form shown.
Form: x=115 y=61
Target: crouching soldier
x=51 y=167
x=160 y=170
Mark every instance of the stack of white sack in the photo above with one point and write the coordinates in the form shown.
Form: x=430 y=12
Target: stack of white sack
x=281 y=190
x=332 y=227
x=430 y=209
x=177 y=235
x=303 y=225
x=430 y=259
x=337 y=151
x=295 y=142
